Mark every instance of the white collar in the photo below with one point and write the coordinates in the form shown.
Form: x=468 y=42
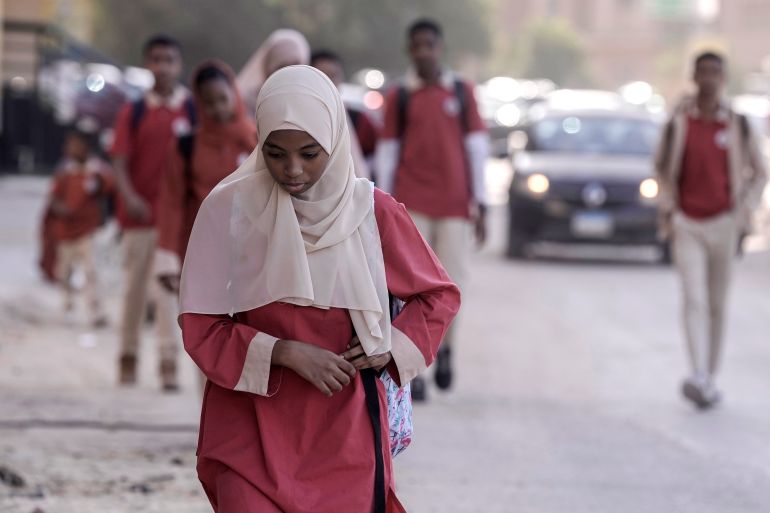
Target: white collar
x=413 y=82
x=690 y=107
x=90 y=166
x=175 y=101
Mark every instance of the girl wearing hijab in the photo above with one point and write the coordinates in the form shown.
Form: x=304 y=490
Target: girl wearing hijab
x=284 y=47
x=285 y=308
x=223 y=139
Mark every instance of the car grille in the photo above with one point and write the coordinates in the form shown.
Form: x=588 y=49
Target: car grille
x=572 y=192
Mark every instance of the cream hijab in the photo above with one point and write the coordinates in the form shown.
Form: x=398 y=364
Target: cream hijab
x=253 y=243
x=283 y=45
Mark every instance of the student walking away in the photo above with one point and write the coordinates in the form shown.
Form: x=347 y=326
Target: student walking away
x=144 y=131
x=284 y=47
x=431 y=158
x=711 y=174
x=285 y=307
x=224 y=137
x=364 y=131
x=81 y=182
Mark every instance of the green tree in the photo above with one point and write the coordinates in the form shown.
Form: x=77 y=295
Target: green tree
x=553 y=50
x=364 y=32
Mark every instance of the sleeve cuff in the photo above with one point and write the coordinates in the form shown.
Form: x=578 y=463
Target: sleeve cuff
x=255 y=377
x=166 y=263
x=408 y=359
x=477 y=150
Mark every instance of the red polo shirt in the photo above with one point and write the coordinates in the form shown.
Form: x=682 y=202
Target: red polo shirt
x=433 y=177
x=704 y=185
x=146 y=148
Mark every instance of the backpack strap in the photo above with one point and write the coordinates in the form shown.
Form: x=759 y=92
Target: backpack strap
x=192 y=116
x=185 y=145
x=462 y=98
x=403 y=106
x=138 y=109
x=355 y=117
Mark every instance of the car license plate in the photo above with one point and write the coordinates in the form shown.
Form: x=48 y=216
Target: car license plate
x=596 y=225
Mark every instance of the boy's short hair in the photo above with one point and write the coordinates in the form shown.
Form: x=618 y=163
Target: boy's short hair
x=325 y=55
x=160 y=40
x=425 y=24
x=709 y=56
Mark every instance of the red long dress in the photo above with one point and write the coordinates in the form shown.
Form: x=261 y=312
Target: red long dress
x=291 y=449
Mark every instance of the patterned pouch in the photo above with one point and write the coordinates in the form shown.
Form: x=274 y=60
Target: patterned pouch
x=399 y=401
x=399 y=414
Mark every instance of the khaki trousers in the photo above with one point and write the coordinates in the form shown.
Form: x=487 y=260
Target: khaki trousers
x=703 y=251
x=138 y=256
x=451 y=239
x=70 y=254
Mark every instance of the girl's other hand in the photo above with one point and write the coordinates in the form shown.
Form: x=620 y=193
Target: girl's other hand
x=325 y=370
x=356 y=355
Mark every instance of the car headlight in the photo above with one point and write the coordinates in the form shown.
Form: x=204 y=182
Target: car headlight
x=538 y=184
x=649 y=188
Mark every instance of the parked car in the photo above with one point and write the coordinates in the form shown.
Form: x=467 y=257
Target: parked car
x=585 y=174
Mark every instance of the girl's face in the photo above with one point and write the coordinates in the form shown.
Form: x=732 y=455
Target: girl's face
x=295 y=160
x=217 y=100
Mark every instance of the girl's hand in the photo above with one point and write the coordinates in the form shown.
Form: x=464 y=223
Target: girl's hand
x=356 y=355
x=325 y=370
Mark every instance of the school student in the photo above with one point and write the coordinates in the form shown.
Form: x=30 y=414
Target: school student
x=224 y=137
x=144 y=131
x=81 y=182
x=431 y=157
x=285 y=308
x=711 y=173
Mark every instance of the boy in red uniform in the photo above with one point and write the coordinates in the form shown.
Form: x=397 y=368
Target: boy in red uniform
x=711 y=174
x=144 y=132
x=79 y=184
x=431 y=157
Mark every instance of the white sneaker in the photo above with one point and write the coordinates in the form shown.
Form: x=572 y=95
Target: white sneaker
x=701 y=392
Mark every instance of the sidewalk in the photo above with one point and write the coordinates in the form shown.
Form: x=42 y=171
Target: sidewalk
x=79 y=443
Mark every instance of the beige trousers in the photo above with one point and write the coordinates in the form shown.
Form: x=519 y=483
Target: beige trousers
x=138 y=256
x=69 y=255
x=703 y=251
x=451 y=239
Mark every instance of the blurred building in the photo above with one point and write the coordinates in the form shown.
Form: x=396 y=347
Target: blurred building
x=45 y=58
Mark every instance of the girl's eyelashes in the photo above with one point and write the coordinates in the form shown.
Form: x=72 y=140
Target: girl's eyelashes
x=310 y=156
x=274 y=155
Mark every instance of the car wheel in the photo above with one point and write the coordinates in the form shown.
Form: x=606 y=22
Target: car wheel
x=517 y=246
x=665 y=253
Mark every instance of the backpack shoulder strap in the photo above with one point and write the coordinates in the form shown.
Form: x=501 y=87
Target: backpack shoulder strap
x=186 y=143
x=138 y=108
x=355 y=117
x=189 y=106
x=462 y=98
x=403 y=107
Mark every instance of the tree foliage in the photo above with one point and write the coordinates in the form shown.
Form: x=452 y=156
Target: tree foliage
x=364 y=32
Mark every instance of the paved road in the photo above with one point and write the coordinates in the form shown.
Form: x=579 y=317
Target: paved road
x=566 y=401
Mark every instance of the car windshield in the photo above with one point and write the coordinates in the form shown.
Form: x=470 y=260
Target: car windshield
x=597 y=134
